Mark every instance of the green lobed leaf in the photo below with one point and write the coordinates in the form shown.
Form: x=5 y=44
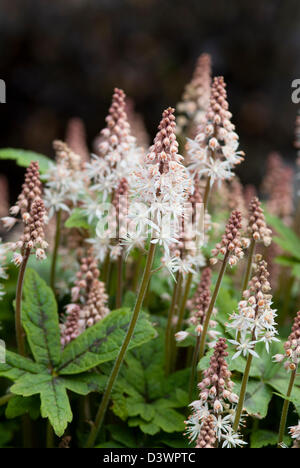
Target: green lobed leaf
x=263 y=438
x=19 y=405
x=102 y=342
x=257 y=398
x=40 y=320
x=16 y=366
x=55 y=403
x=288 y=241
x=24 y=157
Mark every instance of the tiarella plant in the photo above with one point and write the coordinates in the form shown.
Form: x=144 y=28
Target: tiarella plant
x=152 y=292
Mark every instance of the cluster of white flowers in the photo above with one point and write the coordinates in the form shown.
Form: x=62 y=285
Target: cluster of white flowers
x=65 y=180
x=214 y=151
x=254 y=321
x=295 y=431
x=162 y=183
x=118 y=153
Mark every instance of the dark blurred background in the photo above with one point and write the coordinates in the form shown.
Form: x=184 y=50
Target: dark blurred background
x=63 y=58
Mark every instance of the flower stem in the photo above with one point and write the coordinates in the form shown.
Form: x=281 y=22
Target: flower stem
x=49 y=435
x=194 y=367
x=187 y=288
x=168 y=338
x=114 y=374
x=249 y=265
x=285 y=408
x=5 y=398
x=183 y=302
x=211 y=306
x=206 y=193
x=19 y=329
x=119 y=281
x=55 y=250
x=240 y=404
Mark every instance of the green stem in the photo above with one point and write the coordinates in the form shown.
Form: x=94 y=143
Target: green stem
x=240 y=404
x=19 y=329
x=211 y=306
x=106 y=396
x=183 y=302
x=136 y=273
x=194 y=368
x=249 y=265
x=119 y=281
x=105 y=269
x=55 y=250
x=5 y=398
x=168 y=338
x=285 y=408
x=49 y=436
x=187 y=288
x=206 y=193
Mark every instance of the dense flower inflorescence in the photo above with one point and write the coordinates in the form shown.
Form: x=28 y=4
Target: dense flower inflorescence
x=117 y=153
x=162 y=183
x=232 y=244
x=213 y=153
x=207 y=436
x=89 y=300
x=295 y=434
x=291 y=347
x=33 y=213
x=65 y=180
x=278 y=186
x=76 y=139
x=254 y=320
x=195 y=100
x=257 y=227
x=216 y=399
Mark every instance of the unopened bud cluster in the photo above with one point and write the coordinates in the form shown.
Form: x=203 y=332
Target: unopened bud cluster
x=291 y=347
x=257 y=227
x=89 y=301
x=231 y=244
x=33 y=214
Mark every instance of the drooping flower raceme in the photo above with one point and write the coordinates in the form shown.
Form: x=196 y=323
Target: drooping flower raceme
x=254 y=321
x=214 y=151
x=216 y=399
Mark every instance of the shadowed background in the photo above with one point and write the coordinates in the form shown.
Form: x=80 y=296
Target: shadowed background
x=63 y=58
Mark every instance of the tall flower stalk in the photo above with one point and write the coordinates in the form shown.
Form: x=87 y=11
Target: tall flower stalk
x=161 y=183
x=230 y=248
x=292 y=359
x=32 y=210
x=253 y=322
